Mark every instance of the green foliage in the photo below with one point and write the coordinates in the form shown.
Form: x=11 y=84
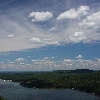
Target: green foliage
x=88 y=82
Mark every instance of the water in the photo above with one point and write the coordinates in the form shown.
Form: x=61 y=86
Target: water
x=12 y=91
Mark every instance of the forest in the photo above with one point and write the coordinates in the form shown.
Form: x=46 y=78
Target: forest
x=87 y=82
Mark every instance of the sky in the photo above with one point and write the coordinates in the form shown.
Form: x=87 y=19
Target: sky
x=46 y=35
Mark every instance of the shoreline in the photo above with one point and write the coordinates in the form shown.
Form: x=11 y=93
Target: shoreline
x=85 y=91
x=55 y=89
x=88 y=82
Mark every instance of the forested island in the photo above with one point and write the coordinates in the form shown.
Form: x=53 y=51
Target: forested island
x=82 y=81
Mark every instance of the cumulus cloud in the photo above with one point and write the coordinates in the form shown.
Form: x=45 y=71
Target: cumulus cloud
x=50 y=41
x=73 y=14
x=92 y=21
x=34 y=40
x=22 y=63
x=10 y=36
x=20 y=59
x=53 y=29
x=50 y=64
x=26 y=35
x=40 y=16
x=10 y=62
x=79 y=56
x=96 y=59
x=42 y=40
x=82 y=10
x=77 y=37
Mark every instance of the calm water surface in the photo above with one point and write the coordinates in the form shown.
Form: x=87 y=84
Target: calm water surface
x=12 y=91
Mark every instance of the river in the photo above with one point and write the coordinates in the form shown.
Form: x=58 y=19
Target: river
x=13 y=91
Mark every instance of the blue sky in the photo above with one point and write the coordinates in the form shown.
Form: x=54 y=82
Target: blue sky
x=43 y=35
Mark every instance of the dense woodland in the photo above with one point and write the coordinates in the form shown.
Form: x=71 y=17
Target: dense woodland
x=88 y=82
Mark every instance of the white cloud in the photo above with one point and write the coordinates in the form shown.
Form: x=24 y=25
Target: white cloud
x=92 y=21
x=27 y=35
x=77 y=37
x=52 y=42
x=10 y=36
x=34 y=40
x=11 y=62
x=20 y=59
x=22 y=63
x=46 y=63
x=68 y=60
x=43 y=40
x=79 y=56
x=82 y=10
x=40 y=16
x=73 y=14
x=53 y=29
x=34 y=60
x=97 y=59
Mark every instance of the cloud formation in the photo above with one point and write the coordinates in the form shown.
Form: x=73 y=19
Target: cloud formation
x=79 y=56
x=34 y=40
x=58 y=23
x=20 y=59
x=19 y=33
x=92 y=21
x=10 y=36
x=42 y=40
x=77 y=37
x=40 y=16
x=48 y=64
x=53 y=29
x=73 y=14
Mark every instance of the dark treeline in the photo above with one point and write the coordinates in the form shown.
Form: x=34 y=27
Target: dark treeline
x=88 y=82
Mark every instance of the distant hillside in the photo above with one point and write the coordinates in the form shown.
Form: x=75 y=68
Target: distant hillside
x=75 y=71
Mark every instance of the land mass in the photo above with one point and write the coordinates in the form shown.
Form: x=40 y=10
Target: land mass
x=88 y=81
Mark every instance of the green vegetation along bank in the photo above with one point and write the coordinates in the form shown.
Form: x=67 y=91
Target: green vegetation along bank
x=88 y=82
